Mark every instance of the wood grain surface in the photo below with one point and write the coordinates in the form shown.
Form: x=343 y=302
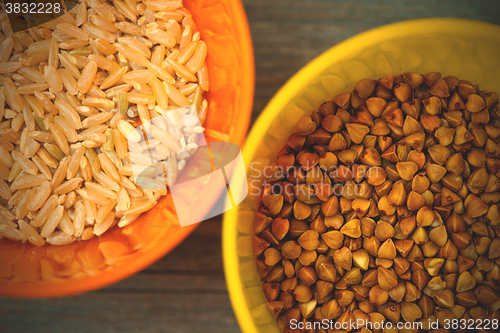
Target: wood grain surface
x=185 y=291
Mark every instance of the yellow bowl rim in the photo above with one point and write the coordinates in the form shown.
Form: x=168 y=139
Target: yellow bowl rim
x=290 y=89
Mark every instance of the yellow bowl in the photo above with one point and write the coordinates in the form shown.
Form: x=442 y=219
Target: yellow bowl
x=467 y=49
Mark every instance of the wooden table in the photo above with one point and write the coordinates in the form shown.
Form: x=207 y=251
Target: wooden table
x=185 y=291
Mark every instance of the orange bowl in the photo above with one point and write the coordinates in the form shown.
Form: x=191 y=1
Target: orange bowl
x=51 y=271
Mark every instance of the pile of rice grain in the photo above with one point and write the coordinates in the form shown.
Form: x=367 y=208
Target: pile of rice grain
x=72 y=92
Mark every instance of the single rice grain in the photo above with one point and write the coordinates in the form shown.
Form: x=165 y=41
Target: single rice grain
x=71 y=67
x=88 y=233
x=73 y=31
x=59 y=137
x=140 y=208
x=88 y=74
x=66 y=224
x=74 y=163
x=53 y=54
x=68 y=130
x=32 y=74
x=41 y=196
x=60 y=174
x=93 y=196
x=102 y=227
x=139 y=98
x=6 y=157
x=13 y=97
x=113 y=78
x=104 y=63
x=102 y=190
x=16 y=197
x=42 y=167
x=30 y=233
x=79 y=219
x=96 y=32
x=81 y=14
x=68 y=186
x=136 y=45
x=60 y=238
x=6 y=49
x=109 y=144
x=129 y=28
x=85 y=170
x=5 y=191
x=140 y=76
x=105 y=47
x=123 y=201
x=158 y=55
x=70 y=200
x=176 y=96
x=11 y=233
x=104 y=23
x=9 y=67
x=98 y=102
x=125 y=10
x=113 y=156
x=198 y=58
x=127 y=219
x=108 y=167
x=68 y=81
x=132 y=55
x=104 y=211
x=90 y=211
x=52 y=222
x=72 y=44
x=24 y=163
x=4 y=171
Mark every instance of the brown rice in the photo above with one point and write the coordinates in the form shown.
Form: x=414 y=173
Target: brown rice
x=72 y=93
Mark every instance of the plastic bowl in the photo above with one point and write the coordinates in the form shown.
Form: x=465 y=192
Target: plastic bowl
x=464 y=48
x=51 y=271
